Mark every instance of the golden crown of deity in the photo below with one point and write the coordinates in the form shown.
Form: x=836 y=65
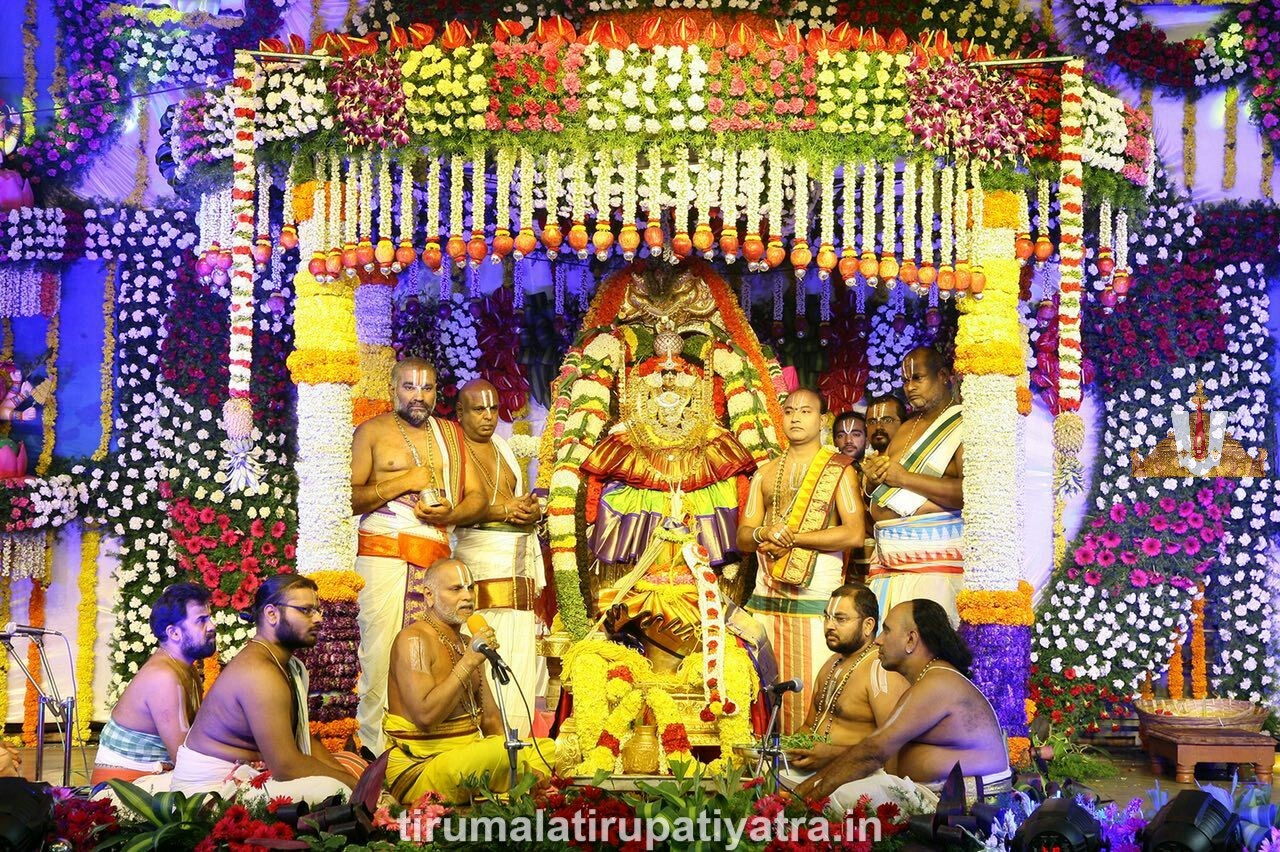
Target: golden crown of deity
x=1198 y=445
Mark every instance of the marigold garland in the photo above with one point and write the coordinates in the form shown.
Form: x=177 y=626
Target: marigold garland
x=1175 y=679
x=31 y=701
x=30 y=44
x=141 y=171
x=1230 y=120
x=1268 y=168
x=1019 y=752
x=318 y=367
x=1199 y=680
x=106 y=391
x=997 y=607
x=210 y=670
x=50 y=412
x=337 y=586
x=86 y=630
x=366 y=409
x=1189 y=141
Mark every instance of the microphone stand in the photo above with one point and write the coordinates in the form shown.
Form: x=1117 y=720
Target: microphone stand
x=63 y=708
x=771 y=747
x=513 y=744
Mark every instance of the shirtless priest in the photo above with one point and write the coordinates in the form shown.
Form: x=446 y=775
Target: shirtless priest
x=941 y=720
x=409 y=484
x=500 y=548
x=257 y=708
x=854 y=694
x=442 y=724
x=153 y=714
x=802 y=514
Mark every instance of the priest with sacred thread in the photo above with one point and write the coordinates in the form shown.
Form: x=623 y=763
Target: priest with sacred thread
x=802 y=514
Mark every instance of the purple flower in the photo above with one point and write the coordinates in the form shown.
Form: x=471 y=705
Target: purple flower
x=1084 y=556
x=1111 y=539
x=1139 y=578
x=1151 y=546
x=1156 y=578
x=1072 y=573
x=1106 y=558
x=1207 y=535
x=1099 y=522
x=1201 y=567
x=1180 y=527
x=1168 y=504
x=1195 y=521
x=1191 y=546
x=1118 y=513
x=1141 y=509
x=1128 y=557
x=1186 y=508
x=1172 y=547
x=1093 y=578
x=1159 y=523
x=1204 y=496
x=1180 y=583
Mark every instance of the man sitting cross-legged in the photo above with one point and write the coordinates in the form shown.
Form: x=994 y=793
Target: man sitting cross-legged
x=257 y=708
x=854 y=694
x=442 y=724
x=153 y=714
x=941 y=720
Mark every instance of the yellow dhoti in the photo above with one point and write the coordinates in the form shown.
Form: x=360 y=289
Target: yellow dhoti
x=445 y=759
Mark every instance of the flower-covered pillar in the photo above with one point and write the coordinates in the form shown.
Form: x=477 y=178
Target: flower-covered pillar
x=995 y=609
x=375 y=283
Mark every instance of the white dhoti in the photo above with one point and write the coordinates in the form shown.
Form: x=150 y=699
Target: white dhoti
x=506 y=564
x=919 y=557
x=199 y=773
x=881 y=787
x=390 y=539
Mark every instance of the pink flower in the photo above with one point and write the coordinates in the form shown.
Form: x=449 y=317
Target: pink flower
x=1118 y=513
x=1093 y=578
x=1099 y=522
x=1156 y=578
x=1201 y=567
x=1151 y=546
x=1159 y=523
x=1106 y=558
x=1195 y=521
x=1084 y=556
x=1141 y=509
x=1168 y=504
x=1073 y=573
x=1208 y=535
x=1111 y=539
x=1172 y=547
x=1139 y=578
x=1180 y=528
x=1204 y=496
x=1180 y=583
x=1128 y=557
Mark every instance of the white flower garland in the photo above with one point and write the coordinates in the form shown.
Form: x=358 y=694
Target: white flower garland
x=1105 y=132
x=326 y=533
x=992 y=558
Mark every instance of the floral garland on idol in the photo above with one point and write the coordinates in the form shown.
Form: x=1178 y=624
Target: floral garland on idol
x=613 y=685
x=582 y=408
x=995 y=608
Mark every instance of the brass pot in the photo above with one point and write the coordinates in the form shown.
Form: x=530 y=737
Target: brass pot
x=640 y=755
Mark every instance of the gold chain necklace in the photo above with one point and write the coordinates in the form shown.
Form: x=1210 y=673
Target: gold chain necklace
x=470 y=701
x=413 y=450
x=794 y=487
x=497 y=469
x=829 y=696
x=924 y=670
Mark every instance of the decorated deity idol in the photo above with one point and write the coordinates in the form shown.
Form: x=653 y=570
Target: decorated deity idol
x=661 y=413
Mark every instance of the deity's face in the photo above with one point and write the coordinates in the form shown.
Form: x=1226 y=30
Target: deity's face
x=478 y=414
x=415 y=393
x=449 y=592
x=846 y=632
x=923 y=389
x=851 y=437
x=883 y=421
x=802 y=417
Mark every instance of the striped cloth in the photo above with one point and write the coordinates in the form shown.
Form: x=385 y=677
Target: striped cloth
x=135 y=745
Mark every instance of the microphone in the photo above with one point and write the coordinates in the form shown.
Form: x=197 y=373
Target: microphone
x=14 y=629
x=475 y=624
x=793 y=685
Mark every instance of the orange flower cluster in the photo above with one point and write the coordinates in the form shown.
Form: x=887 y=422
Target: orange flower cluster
x=31 y=701
x=1019 y=752
x=1176 y=688
x=997 y=607
x=366 y=409
x=1199 y=678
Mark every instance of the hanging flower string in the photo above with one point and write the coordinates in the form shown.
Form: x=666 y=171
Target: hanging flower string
x=86 y=631
x=240 y=460
x=49 y=414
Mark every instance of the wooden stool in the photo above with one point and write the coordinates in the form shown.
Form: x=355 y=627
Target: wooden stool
x=1185 y=747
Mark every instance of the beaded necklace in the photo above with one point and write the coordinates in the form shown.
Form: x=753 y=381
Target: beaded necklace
x=413 y=450
x=827 y=703
x=470 y=700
